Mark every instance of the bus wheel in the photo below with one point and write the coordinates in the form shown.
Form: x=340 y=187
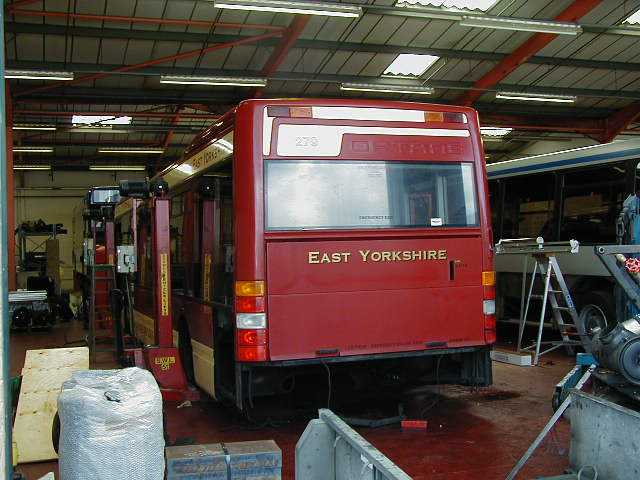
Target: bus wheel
x=186 y=351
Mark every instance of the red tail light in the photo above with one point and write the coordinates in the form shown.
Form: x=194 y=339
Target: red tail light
x=252 y=354
x=252 y=337
x=249 y=304
x=489 y=306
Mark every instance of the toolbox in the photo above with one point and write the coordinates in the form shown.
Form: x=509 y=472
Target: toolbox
x=257 y=460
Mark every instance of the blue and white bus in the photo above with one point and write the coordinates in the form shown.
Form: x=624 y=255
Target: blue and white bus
x=576 y=193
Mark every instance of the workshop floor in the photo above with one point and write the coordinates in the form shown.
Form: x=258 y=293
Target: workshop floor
x=471 y=433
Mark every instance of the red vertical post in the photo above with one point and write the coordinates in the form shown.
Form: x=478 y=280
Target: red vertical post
x=110 y=241
x=208 y=230
x=11 y=212
x=162 y=271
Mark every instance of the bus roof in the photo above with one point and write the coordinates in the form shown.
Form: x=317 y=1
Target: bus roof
x=215 y=144
x=564 y=159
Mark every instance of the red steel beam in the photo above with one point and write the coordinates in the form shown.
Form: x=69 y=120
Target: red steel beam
x=174 y=122
x=280 y=53
x=149 y=63
x=143 y=20
x=56 y=113
x=533 y=45
x=620 y=121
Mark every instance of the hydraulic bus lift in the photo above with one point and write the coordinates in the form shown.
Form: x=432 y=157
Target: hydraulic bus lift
x=162 y=359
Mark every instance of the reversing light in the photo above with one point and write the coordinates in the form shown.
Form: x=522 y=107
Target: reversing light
x=251 y=320
x=489 y=307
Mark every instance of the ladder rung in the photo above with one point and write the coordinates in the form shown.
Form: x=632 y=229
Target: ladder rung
x=563 y=309
x=555 y=291
x=537 y=297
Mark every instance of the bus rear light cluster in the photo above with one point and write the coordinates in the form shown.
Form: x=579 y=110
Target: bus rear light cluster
x=489 y=306
x=251 y=322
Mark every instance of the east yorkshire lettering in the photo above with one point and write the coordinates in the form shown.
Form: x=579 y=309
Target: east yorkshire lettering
x=378 y=256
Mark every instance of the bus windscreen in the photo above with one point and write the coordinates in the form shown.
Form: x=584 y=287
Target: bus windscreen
x=314 y=194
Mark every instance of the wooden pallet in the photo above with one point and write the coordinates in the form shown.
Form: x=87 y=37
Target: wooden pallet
x=43 y=373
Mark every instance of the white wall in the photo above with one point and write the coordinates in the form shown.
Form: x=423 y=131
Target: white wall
x=57 y=197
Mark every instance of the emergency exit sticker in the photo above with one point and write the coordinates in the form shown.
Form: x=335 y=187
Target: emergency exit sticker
x=436 y=222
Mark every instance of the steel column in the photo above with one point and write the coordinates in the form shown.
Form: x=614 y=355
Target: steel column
x=524 y=52
x=162 y=271
x=6 y=470
x=11 y=204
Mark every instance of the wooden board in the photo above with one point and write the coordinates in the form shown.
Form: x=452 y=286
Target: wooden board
x=43 y=373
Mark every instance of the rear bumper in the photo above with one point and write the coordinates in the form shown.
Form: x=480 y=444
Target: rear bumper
x=364 y=358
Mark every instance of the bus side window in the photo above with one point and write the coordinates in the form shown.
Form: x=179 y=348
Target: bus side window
x=528 y=207
x=592 y=201
x=176 y=235
x=224 y=259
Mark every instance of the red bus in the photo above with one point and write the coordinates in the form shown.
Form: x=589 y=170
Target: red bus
x=307 y=234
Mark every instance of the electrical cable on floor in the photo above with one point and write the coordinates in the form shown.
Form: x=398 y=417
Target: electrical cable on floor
x=434 y=402
x=329 y=384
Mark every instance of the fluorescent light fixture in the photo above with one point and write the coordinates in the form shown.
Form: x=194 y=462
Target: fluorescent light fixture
x=155 y=151
x=536 y=97
x=495 y=131
x=117 y=168
x=284 y=6
x=97 y=129
x=32 y=167
x=231 y=81
x=34 y=126
x=521 y=24
x=38 y=75
x=483 y=5
x=33 y=149
x=100 y=120
x=382 y=88
x=410 y=65
x=633 y=19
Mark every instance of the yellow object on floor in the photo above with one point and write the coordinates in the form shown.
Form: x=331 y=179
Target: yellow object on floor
x=42 y=377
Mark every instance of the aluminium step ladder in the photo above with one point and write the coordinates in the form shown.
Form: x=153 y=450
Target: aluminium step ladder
x=555 y=293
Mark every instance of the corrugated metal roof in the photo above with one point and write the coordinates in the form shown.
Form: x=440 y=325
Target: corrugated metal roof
x=329 y=50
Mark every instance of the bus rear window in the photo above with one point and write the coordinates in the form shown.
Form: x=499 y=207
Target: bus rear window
x=311 y=194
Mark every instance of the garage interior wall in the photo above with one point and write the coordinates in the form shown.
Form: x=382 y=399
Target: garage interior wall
x=58 y=197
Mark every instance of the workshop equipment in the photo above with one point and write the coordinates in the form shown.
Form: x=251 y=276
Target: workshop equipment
x=162 y=357
x=329 y=448
x=261 y=459
x=554 y=289
x=99 y=258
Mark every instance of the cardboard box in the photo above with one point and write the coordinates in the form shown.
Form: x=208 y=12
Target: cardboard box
x=258 y=460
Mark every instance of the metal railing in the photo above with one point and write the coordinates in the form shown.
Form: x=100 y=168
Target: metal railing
x=331 y=450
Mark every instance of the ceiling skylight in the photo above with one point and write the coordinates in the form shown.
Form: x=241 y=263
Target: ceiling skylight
x=99 y=120
x=482 y=5
x=410 y=65
x=633 y=19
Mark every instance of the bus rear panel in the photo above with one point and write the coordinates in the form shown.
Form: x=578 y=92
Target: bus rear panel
x=361 y=241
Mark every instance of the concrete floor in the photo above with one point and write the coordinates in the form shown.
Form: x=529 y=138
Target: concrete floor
x=472 y=433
